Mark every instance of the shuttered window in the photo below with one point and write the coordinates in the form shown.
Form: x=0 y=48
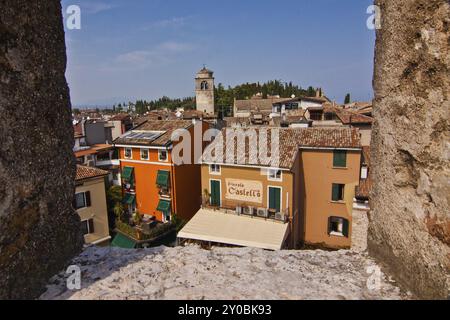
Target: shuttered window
x=162 y=179
x=87 y=226
x=275 y=199
x=338 y=226
x=337 y=192
x=82 y=200
x=215 y=193
x=340 y=159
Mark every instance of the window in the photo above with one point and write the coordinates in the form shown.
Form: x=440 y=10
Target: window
x=274 y=175
x=128 y=153
x=340 y=159
x=204 y=85
x=275 y=199
x=103 y=156
x=162 y=155
x=338 y=227
x=364 y=173
x=82 y=200
x=144 y=154
x=316 y=116
x=338 y=192
x=87 y=226
x=214 y=169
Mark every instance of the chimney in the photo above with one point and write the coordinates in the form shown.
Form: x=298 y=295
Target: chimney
x=319 y=93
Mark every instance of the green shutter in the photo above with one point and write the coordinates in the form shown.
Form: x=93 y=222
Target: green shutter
x=275 y=199
x=162 y=178
x=164 y=206
x=335 y=192
x=340 y=159
x=127 y=173
x=215 y=193
x=345 y=230
x=129 y=198
x=122 y=241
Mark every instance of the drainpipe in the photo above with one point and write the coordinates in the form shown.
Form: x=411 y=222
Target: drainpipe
x=172 y=186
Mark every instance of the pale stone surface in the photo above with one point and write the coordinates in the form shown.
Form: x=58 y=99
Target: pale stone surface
x=193 y=273
x=410 y=222
x=360 y=225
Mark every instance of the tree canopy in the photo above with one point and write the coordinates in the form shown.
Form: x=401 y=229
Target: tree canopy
x=224 y=97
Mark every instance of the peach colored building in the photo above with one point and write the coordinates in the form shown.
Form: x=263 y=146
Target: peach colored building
x=305 y=200
x=90 y=204
x=153 y=184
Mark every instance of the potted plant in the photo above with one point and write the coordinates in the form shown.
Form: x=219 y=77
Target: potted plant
x=119 y=212
x=206 y=197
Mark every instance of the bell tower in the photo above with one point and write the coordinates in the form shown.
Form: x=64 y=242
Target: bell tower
x=204 y=91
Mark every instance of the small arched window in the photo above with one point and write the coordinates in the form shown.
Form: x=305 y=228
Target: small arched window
x=204 y=85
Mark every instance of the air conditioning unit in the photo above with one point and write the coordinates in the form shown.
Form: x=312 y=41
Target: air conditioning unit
x=247 y=211
x=262 y=212
x=280 y=216
x=91 y=163
x=238 y=210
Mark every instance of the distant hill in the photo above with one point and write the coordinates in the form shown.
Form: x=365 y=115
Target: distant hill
x=224 y=97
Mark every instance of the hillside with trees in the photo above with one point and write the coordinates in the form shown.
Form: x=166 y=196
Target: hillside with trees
x=224 y=97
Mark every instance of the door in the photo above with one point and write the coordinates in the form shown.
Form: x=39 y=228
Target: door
x=275 y=199
x=215 y=193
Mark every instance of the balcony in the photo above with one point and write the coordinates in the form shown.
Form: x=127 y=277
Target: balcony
x=165 y=193
x=253 y=211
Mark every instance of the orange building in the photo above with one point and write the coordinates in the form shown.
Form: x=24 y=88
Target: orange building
x=154 y=184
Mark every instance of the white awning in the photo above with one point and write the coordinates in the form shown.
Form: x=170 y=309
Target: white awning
x=231 y=229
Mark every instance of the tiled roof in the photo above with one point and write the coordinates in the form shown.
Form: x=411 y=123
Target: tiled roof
x=266 y=104
x=290 y=140
x=84 y=172
x=258 y=104
x=94 y=149
x=121 y=117
x=165 y=127
x=365 y=185
x=348 y=117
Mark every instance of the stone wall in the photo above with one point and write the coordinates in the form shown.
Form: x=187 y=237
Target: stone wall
x=410 y=222
x=39 y=231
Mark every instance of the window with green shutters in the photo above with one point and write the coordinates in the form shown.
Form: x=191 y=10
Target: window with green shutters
x=164 y=206
x=338 y=226
x=128 y=176
x=129 y=199
x=340 y=159
x=275 y=199
x=162 y=179
x=337 y=192
x=215 y=193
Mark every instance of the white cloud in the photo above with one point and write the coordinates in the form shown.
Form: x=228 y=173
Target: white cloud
x=96 y=7
x=163 y=53
x=174 y=22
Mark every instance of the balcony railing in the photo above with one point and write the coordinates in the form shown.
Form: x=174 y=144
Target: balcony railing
x=253 y=211
x=165 y=193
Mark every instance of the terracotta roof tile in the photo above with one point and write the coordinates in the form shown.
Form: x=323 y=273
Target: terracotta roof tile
x=290 y=140
x=84 y=172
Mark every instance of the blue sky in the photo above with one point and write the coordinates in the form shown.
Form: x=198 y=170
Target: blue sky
x=129 y=49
